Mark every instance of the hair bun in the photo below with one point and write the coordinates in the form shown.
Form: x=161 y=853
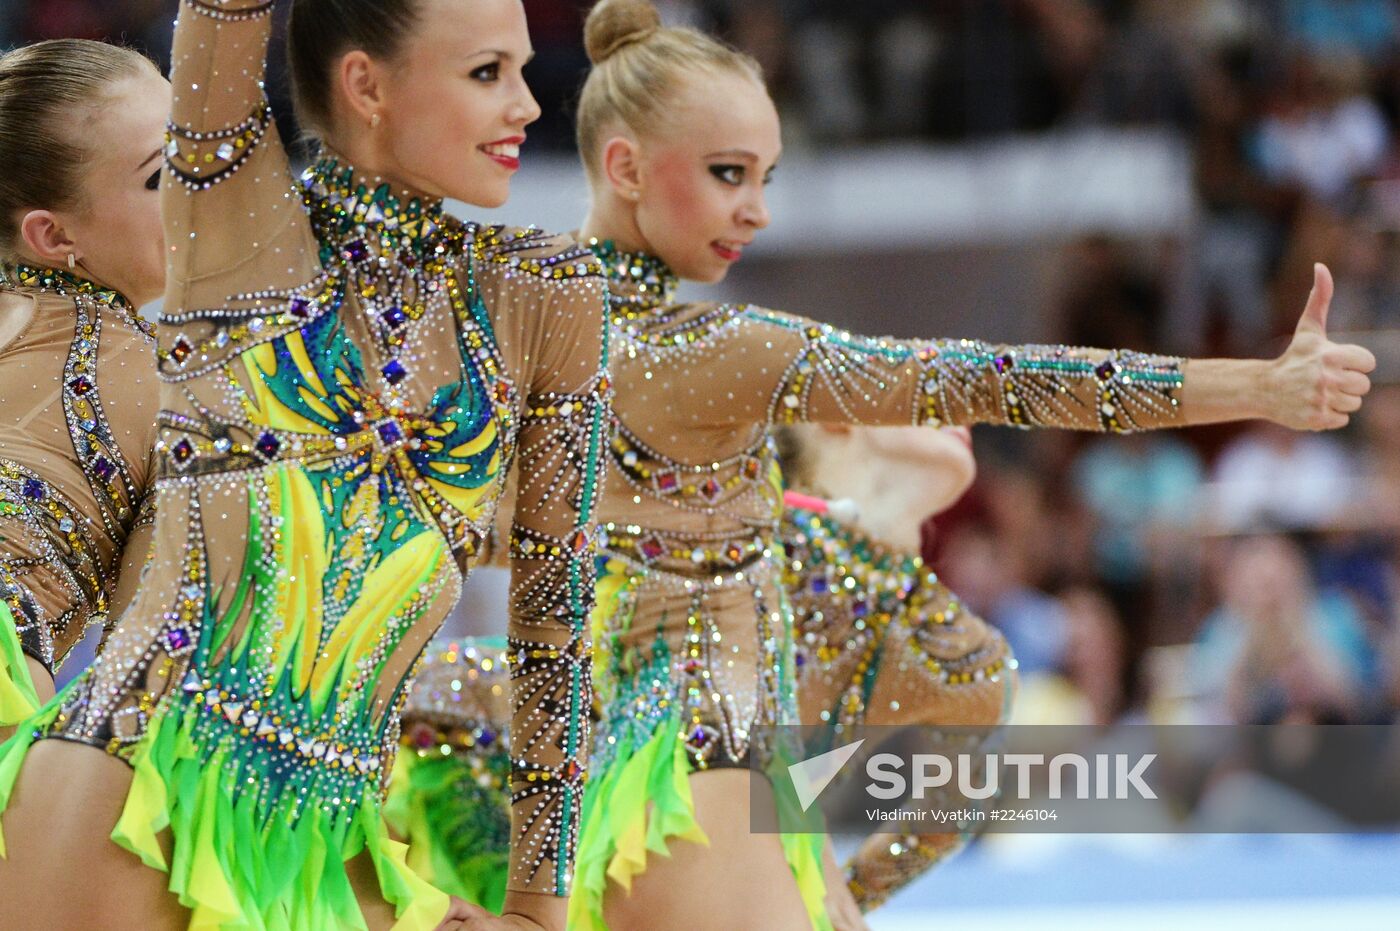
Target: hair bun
x=613 y=24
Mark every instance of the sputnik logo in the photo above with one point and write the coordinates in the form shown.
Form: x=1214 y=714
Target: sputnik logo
x=811 y=777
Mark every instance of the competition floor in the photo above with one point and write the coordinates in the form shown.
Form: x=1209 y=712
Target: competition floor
x=1202 y=883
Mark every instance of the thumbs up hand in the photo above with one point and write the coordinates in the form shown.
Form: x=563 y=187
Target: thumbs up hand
x=1318 y=384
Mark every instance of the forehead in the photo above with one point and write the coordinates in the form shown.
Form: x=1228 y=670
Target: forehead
x=719 y=113
x=130 y=119
x=460 y=28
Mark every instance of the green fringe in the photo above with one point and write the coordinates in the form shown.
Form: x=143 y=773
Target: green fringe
x=633 y=806
x=18 y=697
x=458 y=832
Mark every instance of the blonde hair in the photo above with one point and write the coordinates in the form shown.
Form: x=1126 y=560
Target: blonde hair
x=41 y=158
x=639 y=67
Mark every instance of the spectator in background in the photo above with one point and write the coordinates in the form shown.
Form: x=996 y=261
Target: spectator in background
x=1271 y=477
x=1277 y=650
x=991 y=582
x=1328 y=28
x=1323 y=133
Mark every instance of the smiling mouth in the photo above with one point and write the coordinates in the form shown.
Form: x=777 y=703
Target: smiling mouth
x=506 y=154
x=729 y=251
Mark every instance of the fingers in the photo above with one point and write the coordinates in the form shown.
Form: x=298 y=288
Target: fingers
x=1314 y=317
x=1351 y=382
x=1352 y=357
x=1345 y=403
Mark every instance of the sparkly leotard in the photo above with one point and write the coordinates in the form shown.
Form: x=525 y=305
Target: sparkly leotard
x=882 y=641
x=347 y=376
x=78 y=400
x=693 y=632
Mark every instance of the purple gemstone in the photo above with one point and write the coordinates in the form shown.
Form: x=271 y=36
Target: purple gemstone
x=801 y=660
x=104 y=468
x=390 y=433
x=1003 y=363
x=268 y=445
x=861 y=608
x=394 y=372
x=356 y=251
x=394 y=317
x=183 y=450
x=177 y=639
x=300 y=308
x=80 y=385
x=820 y=586
x=698 y=737
x=1105 y=370
x=486 y=738
x=33 y=489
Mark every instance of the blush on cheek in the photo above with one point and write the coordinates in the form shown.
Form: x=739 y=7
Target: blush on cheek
x=678 y=182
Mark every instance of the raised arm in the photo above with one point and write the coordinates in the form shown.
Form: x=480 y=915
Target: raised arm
x=562 y=435
x=814 y=372
x=228 y=199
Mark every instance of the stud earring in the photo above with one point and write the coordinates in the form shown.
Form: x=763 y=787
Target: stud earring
x=635 y=195
x=72 y=262
x=374 y=121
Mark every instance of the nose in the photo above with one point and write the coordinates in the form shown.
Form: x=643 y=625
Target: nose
x=526 y=109
x=754 y=212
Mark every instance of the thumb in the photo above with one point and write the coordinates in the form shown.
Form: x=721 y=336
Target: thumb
x=1314 y=319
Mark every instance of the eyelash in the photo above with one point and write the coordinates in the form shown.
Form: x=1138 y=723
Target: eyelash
x=153 y=182
x=486 y=74
x=722 y=172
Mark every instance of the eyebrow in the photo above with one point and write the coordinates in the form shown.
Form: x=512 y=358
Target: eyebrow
x=501 y=53
x=150 y=158
x=734 y=153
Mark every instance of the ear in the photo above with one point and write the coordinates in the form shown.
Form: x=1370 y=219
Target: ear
x=361 y=81
x=46 y=238
x=622 y=166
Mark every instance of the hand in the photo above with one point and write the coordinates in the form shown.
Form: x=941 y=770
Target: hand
x=1318 y=384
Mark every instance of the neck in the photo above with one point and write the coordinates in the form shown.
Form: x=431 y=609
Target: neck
x=26 y=274
x=613 y=219
x=372 y=169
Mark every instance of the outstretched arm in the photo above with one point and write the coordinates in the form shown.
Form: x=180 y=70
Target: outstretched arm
x=806 y=371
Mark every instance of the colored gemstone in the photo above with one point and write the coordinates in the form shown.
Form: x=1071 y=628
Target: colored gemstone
x=181 y=350
x=820 y=586
x=667 y=481
x=860 y=608
x=394 y=372
x=1003 y=363
x=1105 y=370
x=652 y=549
x=176 y=639
x=300 y=308
x=389 y=432
x=226 y=151
x=33 y=489
x=486 y=738
x=699 y=737
x=573 y=770
x=268 y=445
x=394 y=317
x=80 y=385
x=356 y=251
x=182 y=451
x=104 y=468
x=711 y=489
